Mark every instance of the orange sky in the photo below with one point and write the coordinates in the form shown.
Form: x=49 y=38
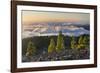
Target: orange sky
x=29 y=17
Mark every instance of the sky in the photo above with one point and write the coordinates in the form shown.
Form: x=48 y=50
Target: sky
x=29 y=17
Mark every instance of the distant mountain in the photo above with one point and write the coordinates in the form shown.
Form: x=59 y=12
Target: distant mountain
x=85 y=26
x=66 y=30
x=49 y=29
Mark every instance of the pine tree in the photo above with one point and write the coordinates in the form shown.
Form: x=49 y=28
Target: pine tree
x=80 y=43
x=63 y=46
x=80 y=40
x=31 y=49
x=85 y=42
x=51 y=47
x=73 y=43
x=60 y=42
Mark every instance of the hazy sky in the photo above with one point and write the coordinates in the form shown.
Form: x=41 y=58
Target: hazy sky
x=29 y=17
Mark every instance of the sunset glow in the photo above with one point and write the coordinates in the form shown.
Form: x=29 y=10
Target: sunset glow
x=29 y=17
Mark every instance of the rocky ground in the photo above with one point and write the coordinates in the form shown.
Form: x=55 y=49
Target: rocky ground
x=67 y=54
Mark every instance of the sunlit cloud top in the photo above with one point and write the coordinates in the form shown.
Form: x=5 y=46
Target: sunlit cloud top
x=29 y=17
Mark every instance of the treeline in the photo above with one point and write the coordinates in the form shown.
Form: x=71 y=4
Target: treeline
x=51 y=44
x=81 y=43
